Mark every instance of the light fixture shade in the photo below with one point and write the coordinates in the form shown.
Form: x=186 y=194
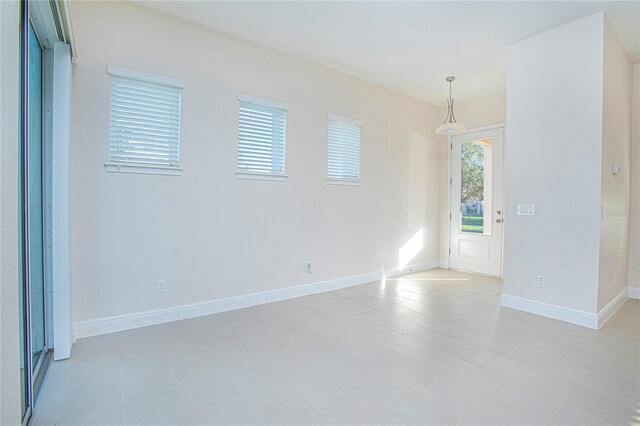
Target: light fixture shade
x=450 y=129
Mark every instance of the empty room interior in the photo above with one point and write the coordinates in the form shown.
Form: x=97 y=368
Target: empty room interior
x=319 y=212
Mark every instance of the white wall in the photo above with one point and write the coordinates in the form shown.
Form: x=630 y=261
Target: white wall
x=481 y=112
x=472 y=114
x=616 y=147
x=634 y=217
x=9 y=278
x=553 y=160
x=214 y=236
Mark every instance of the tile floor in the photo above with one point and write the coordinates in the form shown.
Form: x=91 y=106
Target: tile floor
x=428 y=348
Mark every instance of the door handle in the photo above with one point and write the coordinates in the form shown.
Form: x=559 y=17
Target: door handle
x=498 y=220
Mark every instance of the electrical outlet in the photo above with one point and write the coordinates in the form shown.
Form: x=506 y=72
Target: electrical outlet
x=307 y=267
x=540 y=281
x=161 y=286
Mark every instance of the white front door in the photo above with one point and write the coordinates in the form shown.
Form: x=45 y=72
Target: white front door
x=476 y=202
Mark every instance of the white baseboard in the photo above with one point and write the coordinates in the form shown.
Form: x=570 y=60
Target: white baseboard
x=562 y=313
x=160 y=316
x=409 y=269
x=443 y=263
x=574 y=316
x=634 y=292
x=611 y=307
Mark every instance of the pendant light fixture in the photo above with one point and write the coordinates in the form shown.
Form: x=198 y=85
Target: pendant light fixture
x=450 y=127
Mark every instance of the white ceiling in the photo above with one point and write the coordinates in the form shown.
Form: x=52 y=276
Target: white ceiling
x=409 y=47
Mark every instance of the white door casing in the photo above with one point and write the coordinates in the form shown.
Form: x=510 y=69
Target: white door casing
x=476 y=225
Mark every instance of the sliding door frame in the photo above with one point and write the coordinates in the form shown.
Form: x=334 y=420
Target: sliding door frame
x=24 y=223
x=35 y=373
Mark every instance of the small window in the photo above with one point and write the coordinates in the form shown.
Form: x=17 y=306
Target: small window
x=343 y=157
x=261 y=138
x=144 y=123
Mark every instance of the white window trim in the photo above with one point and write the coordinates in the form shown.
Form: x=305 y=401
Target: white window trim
x=270 y=103
x=353 y=122
x=149 y=169
x=144 y=76
x=279 y=177
x=143 y=169
x=344 y=119
x=347 y=182
x=263 y=101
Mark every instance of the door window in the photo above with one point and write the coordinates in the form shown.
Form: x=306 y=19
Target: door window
x=476 y=184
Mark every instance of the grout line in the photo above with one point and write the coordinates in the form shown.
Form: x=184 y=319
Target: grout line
x=575 y=389
x=295 y=411
x=597 y=357
x=499 y=387
x=124 y=405
x=253 y=410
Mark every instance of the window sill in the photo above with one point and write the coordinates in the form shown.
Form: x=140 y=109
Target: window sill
x=262 y=176
x=142 y=169
x=347 y=182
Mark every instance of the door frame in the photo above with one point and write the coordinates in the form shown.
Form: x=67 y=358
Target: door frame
x=35 y=373
x=502 y=126
x=50 y=22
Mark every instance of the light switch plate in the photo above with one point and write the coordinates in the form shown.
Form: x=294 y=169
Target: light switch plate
x=526 y=209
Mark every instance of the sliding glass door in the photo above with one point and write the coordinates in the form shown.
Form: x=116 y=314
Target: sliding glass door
x=45 y=40
x=35 y=289
x=35 y=211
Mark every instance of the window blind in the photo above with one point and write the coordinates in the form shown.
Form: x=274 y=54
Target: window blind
x=261 y=138
x=144 y=127
x=343 y=148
